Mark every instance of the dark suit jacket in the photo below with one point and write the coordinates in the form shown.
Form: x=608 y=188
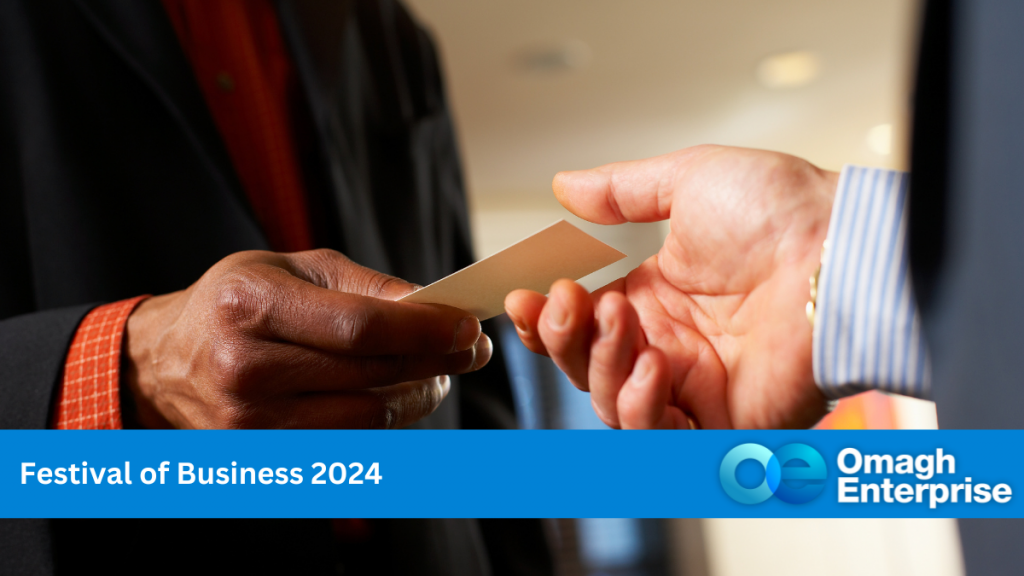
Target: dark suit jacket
x=967 y=232
x=114 y=182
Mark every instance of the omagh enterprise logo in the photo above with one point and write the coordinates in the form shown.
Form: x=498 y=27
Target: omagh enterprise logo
x=795 y=473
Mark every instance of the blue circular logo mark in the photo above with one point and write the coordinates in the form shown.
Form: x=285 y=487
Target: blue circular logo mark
x=795 y=473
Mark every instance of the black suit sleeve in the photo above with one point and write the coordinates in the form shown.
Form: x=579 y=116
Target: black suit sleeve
x=34 y=347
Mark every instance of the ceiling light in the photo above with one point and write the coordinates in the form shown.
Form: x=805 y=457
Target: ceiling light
x=789 y=70
x=880 y=139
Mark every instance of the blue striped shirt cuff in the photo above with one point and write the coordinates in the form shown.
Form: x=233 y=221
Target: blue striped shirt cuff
x=867 y=329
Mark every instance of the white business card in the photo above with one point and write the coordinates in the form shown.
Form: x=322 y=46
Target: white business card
x=559 y=251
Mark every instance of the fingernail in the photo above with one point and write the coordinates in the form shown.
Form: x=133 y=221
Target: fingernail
x=446 y=385
x=484 y=349
x=558 y=318
x=467 y=333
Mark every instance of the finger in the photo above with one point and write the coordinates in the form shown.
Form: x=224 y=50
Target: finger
x=523 y=308
x=285 y=368
x=645 y=399
x=395 y=406
x=702 y=380
x=333 y=270
x=270 y=302
x=618 y=285
x=566 y=327
x=613 y=354
x=637 y=191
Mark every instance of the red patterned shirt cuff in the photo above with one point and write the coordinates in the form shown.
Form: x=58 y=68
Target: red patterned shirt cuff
x=88 y=398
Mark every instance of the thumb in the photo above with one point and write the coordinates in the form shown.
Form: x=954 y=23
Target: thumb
x=636 y=191
x=333 y=270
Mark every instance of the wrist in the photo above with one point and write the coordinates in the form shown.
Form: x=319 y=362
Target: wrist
x=826 y=195
x=817 y=231
x=814 y=252
x=140 y=358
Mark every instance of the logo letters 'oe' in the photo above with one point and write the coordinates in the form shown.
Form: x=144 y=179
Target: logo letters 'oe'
x=790 y=483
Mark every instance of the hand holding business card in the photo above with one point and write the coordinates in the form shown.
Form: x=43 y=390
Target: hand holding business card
x=712 y=329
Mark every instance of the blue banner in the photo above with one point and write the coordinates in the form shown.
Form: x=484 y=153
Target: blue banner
x=543 y=473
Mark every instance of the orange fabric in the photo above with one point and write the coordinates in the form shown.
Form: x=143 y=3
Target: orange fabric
x=245 y=72
x=89 y=394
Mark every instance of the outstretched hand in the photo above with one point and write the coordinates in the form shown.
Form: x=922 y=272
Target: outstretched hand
x=712 y=330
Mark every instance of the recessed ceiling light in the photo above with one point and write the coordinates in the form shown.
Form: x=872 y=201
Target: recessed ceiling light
x=560 y=56
x=880 y=139
x=789 y=70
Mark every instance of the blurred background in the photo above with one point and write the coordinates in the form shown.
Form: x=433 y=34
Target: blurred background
x=539 y=86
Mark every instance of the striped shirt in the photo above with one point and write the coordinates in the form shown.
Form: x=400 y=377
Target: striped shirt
x=867 y=329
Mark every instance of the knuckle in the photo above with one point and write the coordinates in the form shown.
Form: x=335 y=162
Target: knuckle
x=366 y=281
x=326 y=255
x=604 y=363
x=558 y=345
x=321 y=267
x=609 y=360
x=429 y=397
x=359 y=327
x=384 y=417
x=563 y=352
x=400 y=408
x=242 y=300
x=233 y=263
x=233 y=368
x=383 y=370
x=377 y=284
x=225 y=361
x=435 y=394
